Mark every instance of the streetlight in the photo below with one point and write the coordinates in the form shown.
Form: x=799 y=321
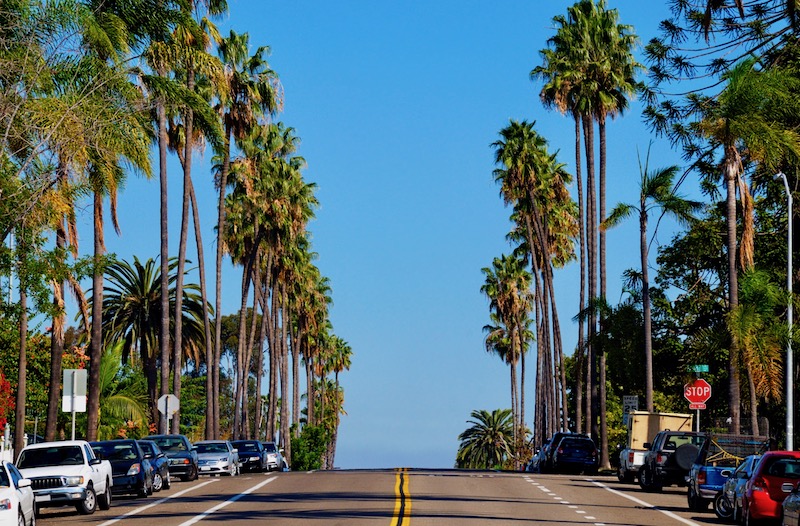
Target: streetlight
x=789 y=358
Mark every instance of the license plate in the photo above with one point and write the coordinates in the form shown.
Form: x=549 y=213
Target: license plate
x=204 y=468
x=42 y=498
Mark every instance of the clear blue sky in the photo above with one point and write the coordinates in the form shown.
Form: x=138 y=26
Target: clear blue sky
x=396 y=104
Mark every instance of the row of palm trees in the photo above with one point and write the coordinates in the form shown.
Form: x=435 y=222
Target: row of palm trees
x=748 y=127
x=121 y=80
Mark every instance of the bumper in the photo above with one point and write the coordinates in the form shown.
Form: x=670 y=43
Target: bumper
x=126 y=485
x=210 y=469
x=59 y=496
x=763 y=507
x=709 y=492
x=251 y=465
x=178 y=467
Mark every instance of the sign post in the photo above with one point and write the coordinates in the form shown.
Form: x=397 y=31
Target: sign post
x=168 y=405
x=73 y=399
x=697 y=392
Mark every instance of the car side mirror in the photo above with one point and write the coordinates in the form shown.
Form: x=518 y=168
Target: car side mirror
x=24 y=483
x=647 y=445
x=148 y=456
x=235 y=450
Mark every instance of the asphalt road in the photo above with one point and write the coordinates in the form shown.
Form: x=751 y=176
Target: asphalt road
x=396 y=498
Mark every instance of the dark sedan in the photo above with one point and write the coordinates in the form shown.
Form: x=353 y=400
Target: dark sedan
x=133 y=474
x=160 y=464
x=182 y=456
x=575 y=454
x=252 y=455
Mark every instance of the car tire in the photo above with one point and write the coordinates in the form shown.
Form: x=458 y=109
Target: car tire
x=20 y=518
x=158 y=482
x=167 y=480
x=722 y=507
x=624 y=476
x=104 y=500
x=88 y=505
x=695 y=501
x=32 y=522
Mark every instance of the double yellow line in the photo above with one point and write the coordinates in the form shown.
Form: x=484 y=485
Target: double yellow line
x=402 y=503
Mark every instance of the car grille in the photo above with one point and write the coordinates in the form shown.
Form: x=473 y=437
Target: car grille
x=47 y=482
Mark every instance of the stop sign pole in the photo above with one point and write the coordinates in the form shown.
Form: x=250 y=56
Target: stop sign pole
x=697 y=392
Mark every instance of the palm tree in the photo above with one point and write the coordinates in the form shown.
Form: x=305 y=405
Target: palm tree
x=488 y=442
x=252 y=92
x=657 y=191
x=749 y=116
x=132 y=314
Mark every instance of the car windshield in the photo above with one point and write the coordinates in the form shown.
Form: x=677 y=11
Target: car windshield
x=147 y=449
x=50 y=456
x=270 y=448
x=170 y=444
x=245 y=446
x=211 y=448
x=785 y=468
x=115 y=452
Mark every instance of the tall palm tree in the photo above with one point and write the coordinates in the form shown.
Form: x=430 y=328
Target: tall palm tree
x=487 y=443
x=656 y=192
x=749 y=115
x=252 y=92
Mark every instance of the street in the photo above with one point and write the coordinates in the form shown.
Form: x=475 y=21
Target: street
x=397 y=498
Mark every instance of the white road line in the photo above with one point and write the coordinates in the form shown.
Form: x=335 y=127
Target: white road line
x=645 y=504
x=231 y=500
x=159 y=501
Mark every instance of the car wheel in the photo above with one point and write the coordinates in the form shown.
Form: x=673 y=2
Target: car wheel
x=167 y=478
x=624 y=476
x=722 y=507
x=696 y=502
x=104 y=500
x=32 y=522
x=20 y=518
x=158 y=482
x=88 y=505
x=748 y=518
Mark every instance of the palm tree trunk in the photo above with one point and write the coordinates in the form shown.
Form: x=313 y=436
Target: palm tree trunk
x=648 y=324
x=285 y=416
x=733 y=293
x=164 y=336
x=262 y=334
x=56 y=342
x=201 y=266
x=19 y=411
x=221 y=216
x=591 y=234
x=96 y=343
x=295 y=380
x=274 y=360
x=580 y=361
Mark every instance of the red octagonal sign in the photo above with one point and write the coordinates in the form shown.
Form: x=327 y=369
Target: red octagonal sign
x=697 y=392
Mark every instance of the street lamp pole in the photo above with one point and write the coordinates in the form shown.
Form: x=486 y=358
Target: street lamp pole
x=789 y=321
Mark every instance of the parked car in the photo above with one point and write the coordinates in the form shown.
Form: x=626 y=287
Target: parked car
x=791 y=508
x=252 y=455
x=547 y=460
x=733 y=489
x=575 y=454
x=67 y=473
x=217 y=457
x=775 y=476
x=160 y=462
x=718 y=457
x=133 y=473
x=17 y=505
x=275 y=459
x=181 y=454
x=535 y=463
x=669 y=458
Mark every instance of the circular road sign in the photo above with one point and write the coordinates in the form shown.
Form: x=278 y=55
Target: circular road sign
x=697 y=391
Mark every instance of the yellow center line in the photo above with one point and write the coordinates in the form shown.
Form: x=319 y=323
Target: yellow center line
x=402 y=504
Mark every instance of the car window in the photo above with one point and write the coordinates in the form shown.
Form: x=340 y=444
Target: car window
x=270 y=448
x=212 y=448
x=50 y=456
x=4 y=480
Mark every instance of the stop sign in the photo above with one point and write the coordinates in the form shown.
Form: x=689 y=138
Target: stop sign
x=697 y=391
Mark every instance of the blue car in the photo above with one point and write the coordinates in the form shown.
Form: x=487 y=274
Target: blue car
x=133 y=473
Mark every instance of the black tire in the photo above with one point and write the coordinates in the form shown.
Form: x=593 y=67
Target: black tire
x=104 y=500
x=696 y=502
x=192 y=475
x=167 y=480
x=33 y=517
x=685 y=456
x=624 y=476
x=88 y=505
x=20 y=518
x=722 y=507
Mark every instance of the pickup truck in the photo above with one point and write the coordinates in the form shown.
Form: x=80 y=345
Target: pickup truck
x=669 y=458
x=717 y=459
x=642 y=427
x=67 y=473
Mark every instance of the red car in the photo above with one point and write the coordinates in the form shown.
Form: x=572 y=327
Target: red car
x=775 y=476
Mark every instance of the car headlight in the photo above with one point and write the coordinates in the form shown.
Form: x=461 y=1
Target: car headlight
x=74 y=481
x=135 y=469
x=223 y=459
x=5 y=504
